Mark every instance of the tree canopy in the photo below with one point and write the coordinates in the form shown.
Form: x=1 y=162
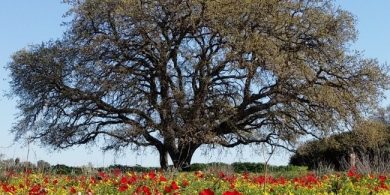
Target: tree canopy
x=178 y=74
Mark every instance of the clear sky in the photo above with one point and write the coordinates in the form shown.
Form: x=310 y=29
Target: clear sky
x=26 y=22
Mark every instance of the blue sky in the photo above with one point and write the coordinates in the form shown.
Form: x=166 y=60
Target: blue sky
x=26 y=22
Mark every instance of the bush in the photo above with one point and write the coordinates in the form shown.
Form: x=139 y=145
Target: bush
x=240 y=167
x=63 y=169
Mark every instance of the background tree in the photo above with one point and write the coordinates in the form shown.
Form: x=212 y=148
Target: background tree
x=369 y=140
x=177 y=74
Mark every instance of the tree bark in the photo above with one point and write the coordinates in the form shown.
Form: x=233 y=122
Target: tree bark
x=163 y=152
x=182 y=158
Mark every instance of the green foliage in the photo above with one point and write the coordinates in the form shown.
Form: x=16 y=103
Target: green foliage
x=65 y=170
x=198 y=166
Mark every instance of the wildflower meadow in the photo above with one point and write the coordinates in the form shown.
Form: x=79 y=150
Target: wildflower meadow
x=116 y=181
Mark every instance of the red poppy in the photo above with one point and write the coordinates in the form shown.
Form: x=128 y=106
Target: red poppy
x=384 y=186
x=101 y=174
x=235 y=192
x=199 y=174
x=167 y=189
x=185 y=183
x=123 y=180
x=116 y=172
x=143 y=190
x=9 y=189
x=162 y=178
x=352 y=172
x=152 y=175
x=92 y=180
x=206 y=192
x=382 y=178
x=281 y=180
x=131 y=180
x=123 y=187
x=245 y=175
x=174 y=185
x=28 y=171
x=72 y=190
x=156 y=192
x=37 y=189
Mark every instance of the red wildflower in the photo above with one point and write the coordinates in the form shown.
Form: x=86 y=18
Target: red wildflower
x=162 y=178
x=185 y=183
x=37 y=189
x=235 y=192
x=206 y=192
x=281 y=180
x=116 y=172
x=131 y=180
x=143 y=190
x=245 y=175
x=27 y=182
x=352 y=172
x=167 y=189
x=156 y=192
x=102 y=174
x=123 y=180
x=123 y=187
x=174 y=185
x=9 y=189
x=199 y=174
x=92 y=180
x=384 y=186
x=46 y=180
x=28 y=171
x=89 y=192
x=72 y=190
x=262 y=179
x=311 y=179
x=231 y=179
x=152 y=175
x=382 y=178
x=83 y=178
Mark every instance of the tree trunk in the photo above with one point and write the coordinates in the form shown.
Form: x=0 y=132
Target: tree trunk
x=163 y=158
x=182 y=158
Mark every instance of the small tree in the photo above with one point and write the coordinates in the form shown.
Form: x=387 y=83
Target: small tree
x=175 y=75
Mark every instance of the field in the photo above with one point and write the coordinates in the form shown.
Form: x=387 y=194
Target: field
x=203 y=183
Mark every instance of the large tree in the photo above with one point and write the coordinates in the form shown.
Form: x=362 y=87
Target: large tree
x=178 y=74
